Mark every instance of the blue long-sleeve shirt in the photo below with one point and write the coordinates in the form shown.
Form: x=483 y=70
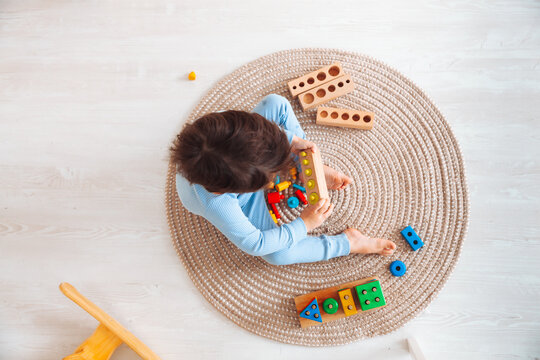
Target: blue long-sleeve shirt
x=244 y=218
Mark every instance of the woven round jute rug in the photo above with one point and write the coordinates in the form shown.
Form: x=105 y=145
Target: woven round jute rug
x=407 y=170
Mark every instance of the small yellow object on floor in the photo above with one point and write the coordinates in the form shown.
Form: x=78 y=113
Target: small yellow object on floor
x=192 y=76
x=108 y=335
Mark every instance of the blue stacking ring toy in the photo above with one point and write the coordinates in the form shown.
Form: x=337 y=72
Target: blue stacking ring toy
x=398 y=268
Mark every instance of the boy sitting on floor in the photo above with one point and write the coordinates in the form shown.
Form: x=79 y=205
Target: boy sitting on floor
x=226 y=159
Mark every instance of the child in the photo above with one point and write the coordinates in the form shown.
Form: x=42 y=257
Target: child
x=225 y=160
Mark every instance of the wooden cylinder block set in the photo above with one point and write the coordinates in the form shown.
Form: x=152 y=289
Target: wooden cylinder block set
x=323 y=85
x=339 y=301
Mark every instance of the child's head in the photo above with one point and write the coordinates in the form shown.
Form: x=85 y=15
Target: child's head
x=231 y=151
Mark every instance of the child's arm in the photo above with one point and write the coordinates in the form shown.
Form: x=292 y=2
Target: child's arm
x=226 y=214
x=278 y=109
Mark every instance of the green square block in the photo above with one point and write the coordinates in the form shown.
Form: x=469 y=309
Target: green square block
x=370 y=295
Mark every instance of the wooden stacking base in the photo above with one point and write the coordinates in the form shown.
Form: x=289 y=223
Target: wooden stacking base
x=303 y=300
x=108 y=335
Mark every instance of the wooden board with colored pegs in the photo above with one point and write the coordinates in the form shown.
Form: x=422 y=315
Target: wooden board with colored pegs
x=340 y=301
x=313 y=172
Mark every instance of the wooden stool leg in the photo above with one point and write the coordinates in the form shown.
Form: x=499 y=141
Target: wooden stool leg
x=99 y=346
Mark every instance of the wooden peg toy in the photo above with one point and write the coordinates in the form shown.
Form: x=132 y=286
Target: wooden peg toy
x=314 y=79
x=312 y=168
x=344 y=118
x=108 y=335
x=275 y=197
x=329 y=296
x=412 y=238
x=274 y=209
x=370 y=295
x=326 y=92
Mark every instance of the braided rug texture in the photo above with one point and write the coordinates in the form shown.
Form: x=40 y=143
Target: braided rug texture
x=407 y=170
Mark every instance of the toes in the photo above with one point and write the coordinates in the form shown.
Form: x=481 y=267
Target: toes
x=389 y=245
x=387 y=252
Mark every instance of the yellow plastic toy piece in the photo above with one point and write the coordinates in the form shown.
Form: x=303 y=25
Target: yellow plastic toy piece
x=283 y=185
x=313 y=198
x=273 y=216
x=311 y=184
x=271 y=185
x=293 y=172
x=347 y=301
x=308 y=172
x=192 y=76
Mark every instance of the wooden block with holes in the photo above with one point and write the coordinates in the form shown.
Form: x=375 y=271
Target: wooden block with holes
x=314 y=79
x=332 y=293
x=326 y=92
x=344 y=117
x=313 y=172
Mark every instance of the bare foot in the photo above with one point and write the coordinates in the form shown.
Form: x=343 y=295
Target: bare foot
x=361 y=244
x=335 y=180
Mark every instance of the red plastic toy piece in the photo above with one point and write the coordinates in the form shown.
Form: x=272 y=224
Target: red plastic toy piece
x=275 y=197
x=274 y=208
x=301 y=196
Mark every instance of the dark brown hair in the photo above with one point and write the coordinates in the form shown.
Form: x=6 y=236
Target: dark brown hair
x=231 y=151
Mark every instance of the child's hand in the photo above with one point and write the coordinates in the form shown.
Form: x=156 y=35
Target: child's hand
x=299 y=144
x=314 y=215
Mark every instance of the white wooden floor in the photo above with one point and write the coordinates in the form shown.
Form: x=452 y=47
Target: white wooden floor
x=92 y=92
